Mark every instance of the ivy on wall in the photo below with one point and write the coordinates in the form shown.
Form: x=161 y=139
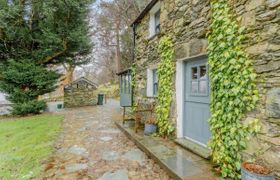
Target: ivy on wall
x=165 y=72
x=133 y=85
x=233 y=91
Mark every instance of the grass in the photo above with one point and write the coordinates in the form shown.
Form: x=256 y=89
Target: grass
x=25 y=143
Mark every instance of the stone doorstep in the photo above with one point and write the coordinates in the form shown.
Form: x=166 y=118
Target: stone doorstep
x=191 y=167
x=193 y=147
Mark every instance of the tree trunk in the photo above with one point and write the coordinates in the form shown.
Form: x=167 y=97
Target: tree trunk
x=1 y=34
x=69 y=74
x=118 y=50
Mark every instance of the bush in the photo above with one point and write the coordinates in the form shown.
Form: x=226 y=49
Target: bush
x=30 y=107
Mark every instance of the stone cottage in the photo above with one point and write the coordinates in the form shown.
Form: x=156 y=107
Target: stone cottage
x=81 y=92
x=187 y=22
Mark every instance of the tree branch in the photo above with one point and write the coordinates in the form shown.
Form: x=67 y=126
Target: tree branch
x=55 y=55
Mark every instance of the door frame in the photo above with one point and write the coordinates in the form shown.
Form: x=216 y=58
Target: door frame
x=180 y=93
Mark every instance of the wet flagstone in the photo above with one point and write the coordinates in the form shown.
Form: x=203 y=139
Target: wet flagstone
x=92 y=147
x=135 y=155
x=106 y=138
x=75 y=167
x=77 y=150
x=118 y=175
x=110 y=155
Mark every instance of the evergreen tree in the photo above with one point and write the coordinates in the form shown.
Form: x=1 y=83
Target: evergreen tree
x=35 y=34
x=24 y=81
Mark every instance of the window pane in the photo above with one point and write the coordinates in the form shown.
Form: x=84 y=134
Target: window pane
x=194 y=73
x=155 y=88
x=157 y=22
x=122 y=83
x=155 y=76
x=126 y=84
x=203 y=87
x=129 y=83
x=203 y=72
x=155 y=82
x=194 y=87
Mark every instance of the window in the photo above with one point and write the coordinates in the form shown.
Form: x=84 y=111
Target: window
x=199 y=80
x=125 y=83
x=155 y=20
x=155 y=82
x=152 y=82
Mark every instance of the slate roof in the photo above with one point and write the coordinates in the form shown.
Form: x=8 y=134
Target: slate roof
x=83 y=79
x=144 y=12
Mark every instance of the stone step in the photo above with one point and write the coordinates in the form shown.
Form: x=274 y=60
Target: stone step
x=178 y=162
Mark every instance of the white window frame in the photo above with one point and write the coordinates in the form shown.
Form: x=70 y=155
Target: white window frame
x=150 y=82
x=152 y=26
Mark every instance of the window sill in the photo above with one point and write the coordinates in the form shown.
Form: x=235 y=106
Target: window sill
x=154 y=36
x=151 y=97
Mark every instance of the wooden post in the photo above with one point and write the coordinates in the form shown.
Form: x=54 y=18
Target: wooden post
x=123 y=114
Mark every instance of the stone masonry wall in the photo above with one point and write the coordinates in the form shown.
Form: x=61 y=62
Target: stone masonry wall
x=187 y=22
x=80 y=97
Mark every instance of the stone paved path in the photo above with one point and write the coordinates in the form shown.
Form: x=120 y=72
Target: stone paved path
x=91 y=147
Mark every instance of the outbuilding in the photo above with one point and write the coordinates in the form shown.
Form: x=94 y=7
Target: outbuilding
x=81 y=92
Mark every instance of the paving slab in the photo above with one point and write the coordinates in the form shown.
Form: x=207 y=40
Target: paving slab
x=135 y=155
x=75 y=167
x=110 y=155
x=118 y=175
x=106 y=138
x=77 y=150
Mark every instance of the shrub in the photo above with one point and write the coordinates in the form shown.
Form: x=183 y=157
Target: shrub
x=30 y=107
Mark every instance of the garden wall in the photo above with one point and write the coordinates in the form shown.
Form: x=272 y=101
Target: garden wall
x=79 y=98
x=187 y=22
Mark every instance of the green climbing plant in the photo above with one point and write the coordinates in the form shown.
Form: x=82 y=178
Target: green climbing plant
x=133 y=85
x=233 y=90
x=165 y=72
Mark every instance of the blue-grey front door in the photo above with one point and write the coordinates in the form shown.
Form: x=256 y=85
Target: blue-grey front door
x=196 y=101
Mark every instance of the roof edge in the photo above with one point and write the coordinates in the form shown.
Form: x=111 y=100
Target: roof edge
x=124 y=72
x=144 y=12
x=83 y=78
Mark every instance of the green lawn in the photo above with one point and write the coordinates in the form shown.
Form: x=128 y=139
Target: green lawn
x=25 y=142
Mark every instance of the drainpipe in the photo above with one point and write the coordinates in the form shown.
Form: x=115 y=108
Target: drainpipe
x=134 y=41
x=133 y=58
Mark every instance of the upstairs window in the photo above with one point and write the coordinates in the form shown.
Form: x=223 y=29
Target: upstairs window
x=155 y=20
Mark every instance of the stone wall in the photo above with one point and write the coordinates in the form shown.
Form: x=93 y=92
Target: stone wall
x=262 y=20
x=80 y=97
x=187 y=22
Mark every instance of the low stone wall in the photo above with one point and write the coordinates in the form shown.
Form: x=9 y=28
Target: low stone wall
x=5 y=109
x=80 y=97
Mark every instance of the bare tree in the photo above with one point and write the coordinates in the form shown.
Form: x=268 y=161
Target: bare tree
x=112 y=34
